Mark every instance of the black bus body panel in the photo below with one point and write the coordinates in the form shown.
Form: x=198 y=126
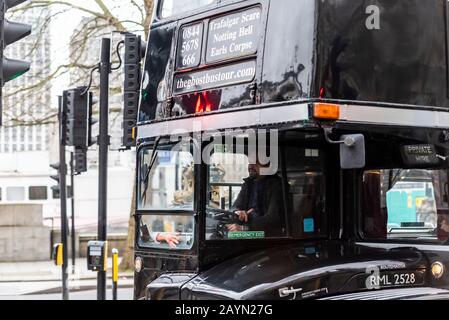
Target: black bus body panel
x=403 y=62
x=157 y=264
x=157 y=73
x=288 y=63
x=312 y=49
x=318 y=268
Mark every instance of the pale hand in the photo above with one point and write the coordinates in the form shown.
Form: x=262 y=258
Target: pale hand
x=244 y=215
x=235 y=227
x=171 y=238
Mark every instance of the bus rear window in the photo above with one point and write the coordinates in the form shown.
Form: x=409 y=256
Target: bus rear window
x=173 y=7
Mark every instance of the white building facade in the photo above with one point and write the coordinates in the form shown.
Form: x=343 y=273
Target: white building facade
x=27 y=151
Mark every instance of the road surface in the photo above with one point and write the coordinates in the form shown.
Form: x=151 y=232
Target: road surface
x=123 y=294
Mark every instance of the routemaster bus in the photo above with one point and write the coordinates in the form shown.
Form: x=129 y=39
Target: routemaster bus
x=294 y=149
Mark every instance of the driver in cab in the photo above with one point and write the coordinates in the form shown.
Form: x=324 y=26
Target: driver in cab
x=259 y=205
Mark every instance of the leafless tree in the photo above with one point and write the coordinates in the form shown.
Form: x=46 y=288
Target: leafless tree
x=99 y=20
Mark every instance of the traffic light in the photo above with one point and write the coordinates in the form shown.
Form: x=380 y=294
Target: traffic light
x=56 y=189
x=80 y=160
x=75 y=117
x=134 y=53
x=91 y=120
x=76 y=124
x=11 y=32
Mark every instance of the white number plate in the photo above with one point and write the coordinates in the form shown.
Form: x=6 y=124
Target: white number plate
x=393 y=279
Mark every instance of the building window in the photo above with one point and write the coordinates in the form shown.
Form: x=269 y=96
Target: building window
x=22 y=135
x=14 y=135
x=38 y=193
x=15 y=193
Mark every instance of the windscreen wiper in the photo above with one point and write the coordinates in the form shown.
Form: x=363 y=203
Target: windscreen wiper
x=154 y=155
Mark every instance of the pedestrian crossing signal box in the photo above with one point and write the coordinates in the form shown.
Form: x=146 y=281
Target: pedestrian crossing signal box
x=97 y=255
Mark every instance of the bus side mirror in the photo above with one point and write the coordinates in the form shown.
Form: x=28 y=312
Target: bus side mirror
x=352 y=151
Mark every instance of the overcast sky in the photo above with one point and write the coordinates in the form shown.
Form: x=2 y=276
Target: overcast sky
x=63 y=26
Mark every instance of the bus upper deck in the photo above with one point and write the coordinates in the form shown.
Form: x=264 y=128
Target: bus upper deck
x=234 y=54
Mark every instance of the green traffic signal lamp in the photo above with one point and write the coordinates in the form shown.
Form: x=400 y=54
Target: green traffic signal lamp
x=11 y=32
x=12 y=69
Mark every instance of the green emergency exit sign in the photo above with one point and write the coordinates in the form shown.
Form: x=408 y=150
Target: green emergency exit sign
x=246 y=235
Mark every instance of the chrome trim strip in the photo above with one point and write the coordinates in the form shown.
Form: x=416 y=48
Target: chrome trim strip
x=394 y=116
x=253 y=117
x=422 y=247
x=228 y=120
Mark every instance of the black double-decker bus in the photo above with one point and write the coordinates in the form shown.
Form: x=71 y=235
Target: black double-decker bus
x=294 y=149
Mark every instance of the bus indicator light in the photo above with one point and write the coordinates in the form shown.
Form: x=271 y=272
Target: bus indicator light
x=326 y=111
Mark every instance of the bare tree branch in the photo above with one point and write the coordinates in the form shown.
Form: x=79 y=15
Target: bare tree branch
x=97 y=23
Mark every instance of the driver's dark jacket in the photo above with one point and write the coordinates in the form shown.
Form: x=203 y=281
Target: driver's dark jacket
x=269 y=205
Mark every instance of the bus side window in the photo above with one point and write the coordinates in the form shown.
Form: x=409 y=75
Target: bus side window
x=305 y=205
x=305 y=192
x=441 y=199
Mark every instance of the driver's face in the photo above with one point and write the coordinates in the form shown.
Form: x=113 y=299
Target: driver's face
x=254 y=170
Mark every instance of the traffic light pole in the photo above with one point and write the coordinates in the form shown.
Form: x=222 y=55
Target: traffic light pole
x=73 y=238
x=63 y=199
x=103 y=143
